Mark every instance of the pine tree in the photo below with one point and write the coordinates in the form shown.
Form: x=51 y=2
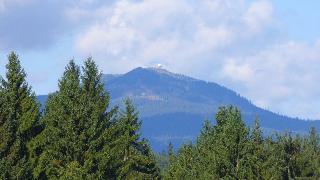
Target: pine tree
x=255 y=152
x=231 y=141
x=273 y=165
x=54 y=148
x=290 y=147
x=136 y=158
x=205 y=149
x=19 y=115
x=75 y=136
x=184 y=166
x=283 y=155
x=221 y=150
x=256 y=135
x=171 y=159
x=171 y=155
x=228 y=150
x=309 y=158
x=314 y=144
x=95 y=132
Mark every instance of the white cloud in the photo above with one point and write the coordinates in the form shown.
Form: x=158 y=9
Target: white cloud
x=227 y=41
x=259 y=15
x=238 y=72
x=282 y=77
x=173 y=32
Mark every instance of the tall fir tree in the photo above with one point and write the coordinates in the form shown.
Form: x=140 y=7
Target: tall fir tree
x=220 y=152
x=205 y=150
x=76 y=120
x=54 y=148
x=313 y=149
x=95 y=134
x=287 y=149
x=135 y=156
x=230 y=144
x=184 y=165
x=255 y=152
x=19 y=115
x=171 y=154
x=309 y=158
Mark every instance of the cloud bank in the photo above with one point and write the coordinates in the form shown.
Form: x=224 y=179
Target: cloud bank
x=181 y=34
x=234 y=42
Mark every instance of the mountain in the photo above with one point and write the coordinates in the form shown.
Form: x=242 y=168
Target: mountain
x=173 y=106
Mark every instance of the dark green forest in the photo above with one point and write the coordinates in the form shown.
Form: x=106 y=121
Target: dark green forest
x=79 y=136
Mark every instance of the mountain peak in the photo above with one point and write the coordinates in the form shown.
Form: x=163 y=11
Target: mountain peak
x=159 y=70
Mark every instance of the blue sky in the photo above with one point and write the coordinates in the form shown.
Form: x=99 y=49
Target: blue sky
x=300 y=18
x=267 y=50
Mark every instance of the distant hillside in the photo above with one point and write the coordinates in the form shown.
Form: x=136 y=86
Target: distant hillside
x=174 y=106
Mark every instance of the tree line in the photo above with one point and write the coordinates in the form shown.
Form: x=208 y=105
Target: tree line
x=229 y=149
x=79 y=136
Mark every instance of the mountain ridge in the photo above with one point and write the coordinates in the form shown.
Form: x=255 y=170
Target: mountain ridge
x=174 y=105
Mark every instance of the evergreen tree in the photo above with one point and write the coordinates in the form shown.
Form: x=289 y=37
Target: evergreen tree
x=54 y=148
x=273 y=165
x=75 y=137
x=256 y=152
x=136 y=158
x=171 y=155
x=183 y=167
x=221 y=151
x=228 y=150
x=230 y=144
x=94 y=133
x=165 y=160
x=288 y=149
x=205 y=149
x=314 y=146
x=310 y=157
x=19 y=114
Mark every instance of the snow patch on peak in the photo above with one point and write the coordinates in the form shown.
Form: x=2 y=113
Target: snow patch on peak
x=163 y=71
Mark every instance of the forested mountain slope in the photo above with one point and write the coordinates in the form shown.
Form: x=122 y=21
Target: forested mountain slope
x=173 y=107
